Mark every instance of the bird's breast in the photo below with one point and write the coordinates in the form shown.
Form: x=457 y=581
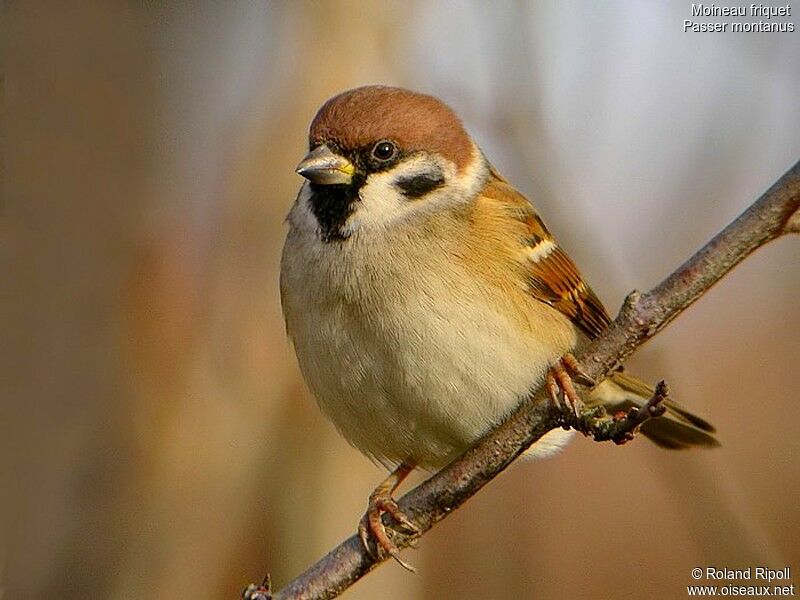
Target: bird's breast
x=409 y=353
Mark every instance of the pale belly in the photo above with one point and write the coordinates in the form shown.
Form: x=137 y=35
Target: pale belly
x=409 y=371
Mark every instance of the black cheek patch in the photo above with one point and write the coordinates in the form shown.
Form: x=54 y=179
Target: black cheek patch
x=418 y=185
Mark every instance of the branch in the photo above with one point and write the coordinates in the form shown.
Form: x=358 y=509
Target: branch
x=776 y=213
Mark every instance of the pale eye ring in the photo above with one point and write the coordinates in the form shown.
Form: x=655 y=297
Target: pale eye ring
x=384 y=150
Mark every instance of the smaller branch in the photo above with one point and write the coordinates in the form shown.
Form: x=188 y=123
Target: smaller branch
x=619 y=429
x=259 y=592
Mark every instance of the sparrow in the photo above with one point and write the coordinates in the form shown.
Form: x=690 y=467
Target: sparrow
x=425 y=297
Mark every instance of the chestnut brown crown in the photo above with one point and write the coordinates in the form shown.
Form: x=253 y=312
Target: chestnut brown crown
x=360 y=117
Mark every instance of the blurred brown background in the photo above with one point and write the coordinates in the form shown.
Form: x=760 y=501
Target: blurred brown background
x=157 y=439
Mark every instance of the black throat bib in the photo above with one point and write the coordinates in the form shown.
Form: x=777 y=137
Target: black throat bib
x=331 y=205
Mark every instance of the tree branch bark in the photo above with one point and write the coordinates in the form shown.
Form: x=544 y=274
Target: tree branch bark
x=774 y=214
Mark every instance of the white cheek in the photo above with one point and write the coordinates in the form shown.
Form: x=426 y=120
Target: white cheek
x=382 y=204
x=379 y=204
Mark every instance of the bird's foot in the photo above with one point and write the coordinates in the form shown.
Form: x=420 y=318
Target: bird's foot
x=371 y=524
x=559 y=381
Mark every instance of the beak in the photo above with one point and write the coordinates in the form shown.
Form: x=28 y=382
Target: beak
x=326 y=168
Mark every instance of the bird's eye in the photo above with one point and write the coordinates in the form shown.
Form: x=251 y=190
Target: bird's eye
x=384 y=150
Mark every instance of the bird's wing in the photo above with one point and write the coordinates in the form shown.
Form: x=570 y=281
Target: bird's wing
x=554 y=279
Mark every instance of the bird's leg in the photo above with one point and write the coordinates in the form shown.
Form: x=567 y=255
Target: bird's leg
x=559 y=382
x=380 y=502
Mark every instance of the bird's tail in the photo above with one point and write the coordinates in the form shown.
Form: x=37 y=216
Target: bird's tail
x=677 y=429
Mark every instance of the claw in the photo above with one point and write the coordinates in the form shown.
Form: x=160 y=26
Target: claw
x=553 y=390
x=559 y=383
x=371 y=524
x=577 y=372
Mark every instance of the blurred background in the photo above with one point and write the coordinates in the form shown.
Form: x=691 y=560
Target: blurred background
x=157 y=440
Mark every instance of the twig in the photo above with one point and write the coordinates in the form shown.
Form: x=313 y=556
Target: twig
x=259 y=592
x=596 y=424
x=776 y=213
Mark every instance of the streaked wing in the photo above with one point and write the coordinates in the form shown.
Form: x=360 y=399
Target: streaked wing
x=554 y=278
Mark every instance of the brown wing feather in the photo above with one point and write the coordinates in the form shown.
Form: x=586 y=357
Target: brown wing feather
x=554 y=278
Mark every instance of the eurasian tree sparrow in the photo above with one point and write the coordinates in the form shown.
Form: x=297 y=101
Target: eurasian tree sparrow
x=426 y=298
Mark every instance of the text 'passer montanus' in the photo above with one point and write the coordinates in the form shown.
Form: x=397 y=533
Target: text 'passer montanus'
x=426 y=298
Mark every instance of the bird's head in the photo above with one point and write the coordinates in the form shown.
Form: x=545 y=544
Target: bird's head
x=380 y=155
